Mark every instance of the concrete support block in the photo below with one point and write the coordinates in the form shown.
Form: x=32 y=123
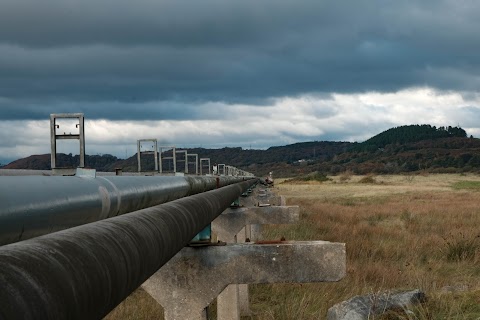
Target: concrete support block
x=271 y=200
x=234 y=226
x=243 y=295
x=241 y=237
x=231 y=221
x=243 y=300
x=228 y=302
x=266 y=197
x=256 y=232
x=228 y=307
x=192 y=279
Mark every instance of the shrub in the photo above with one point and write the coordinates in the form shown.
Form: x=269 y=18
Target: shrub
x=367 y=179
x=314 y=176
x=347 y=175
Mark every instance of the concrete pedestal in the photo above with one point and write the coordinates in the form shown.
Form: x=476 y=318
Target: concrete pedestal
x=234 y=226
x=192 y=279
x=232 y=221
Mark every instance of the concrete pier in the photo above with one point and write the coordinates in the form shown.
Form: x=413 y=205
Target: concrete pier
x=232 y=221
x=192 y=279
x=233 y=226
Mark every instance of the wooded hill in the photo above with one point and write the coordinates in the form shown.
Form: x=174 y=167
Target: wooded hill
x=407 y=134
x=397 y=150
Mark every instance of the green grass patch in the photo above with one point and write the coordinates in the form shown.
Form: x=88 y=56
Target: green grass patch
x=358 y=201
x=468 y=185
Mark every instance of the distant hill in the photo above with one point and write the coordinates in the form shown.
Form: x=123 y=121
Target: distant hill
x=441 y=155
x=250 y=160
x=396 y=150
x=42 y=162
x=408 y=134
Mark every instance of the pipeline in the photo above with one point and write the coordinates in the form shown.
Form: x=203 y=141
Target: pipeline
x=85 y=271
x=31 y=206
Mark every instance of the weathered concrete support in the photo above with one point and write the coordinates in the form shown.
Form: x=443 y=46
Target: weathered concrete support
x=194 y=277
x=232 y=221
x=232 y=226
x=256 y=232
x=243 y=300
x=266 y=197
x=228 y=306
x=229 y=300
x=270 y=200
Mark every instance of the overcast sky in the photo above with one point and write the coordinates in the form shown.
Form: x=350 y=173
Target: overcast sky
x=248 y=73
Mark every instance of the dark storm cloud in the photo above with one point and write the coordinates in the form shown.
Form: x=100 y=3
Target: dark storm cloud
x=112 y=110
x=113 y=57
x=174 y=22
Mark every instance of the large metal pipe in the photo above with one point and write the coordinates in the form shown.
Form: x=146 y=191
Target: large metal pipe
x=84 y=272
x=31 y=206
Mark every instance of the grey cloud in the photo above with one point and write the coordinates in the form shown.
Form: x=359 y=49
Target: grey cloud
x=169 y=110
x=172 y=22
x=122 y=54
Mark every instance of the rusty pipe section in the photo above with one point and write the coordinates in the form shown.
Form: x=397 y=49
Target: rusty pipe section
x=84 y=272
x=31 y=206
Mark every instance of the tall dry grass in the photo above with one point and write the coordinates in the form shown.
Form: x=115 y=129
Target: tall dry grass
x=400 y=233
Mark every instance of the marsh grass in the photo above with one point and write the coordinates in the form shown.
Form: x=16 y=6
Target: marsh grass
x=462 y=246
x=346 y=176
x=412 y=233
x=399 y=234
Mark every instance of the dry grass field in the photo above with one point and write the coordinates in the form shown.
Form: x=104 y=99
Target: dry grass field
x=401 y=232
